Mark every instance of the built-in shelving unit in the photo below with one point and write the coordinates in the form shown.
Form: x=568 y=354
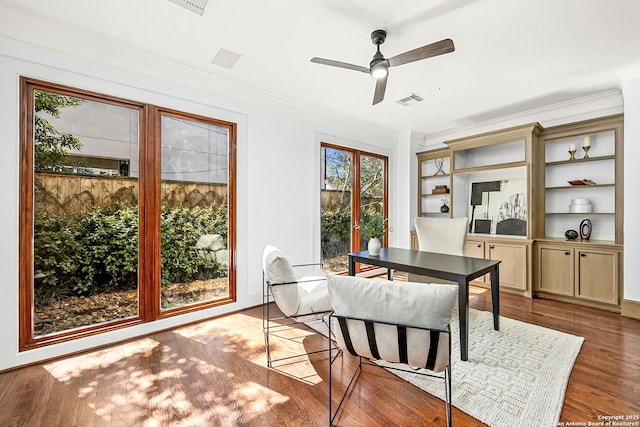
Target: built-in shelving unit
x=583 y=271
x=531 y=177
x=434 y=169
x=600 y=165
x=502 y=157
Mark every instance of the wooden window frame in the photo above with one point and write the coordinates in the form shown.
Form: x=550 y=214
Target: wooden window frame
x=356 y=154
x=148 y=215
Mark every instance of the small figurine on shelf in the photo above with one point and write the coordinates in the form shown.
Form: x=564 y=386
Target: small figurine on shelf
x=585 y=229
x=445 y=206
x=586 y=144
x=439 y=164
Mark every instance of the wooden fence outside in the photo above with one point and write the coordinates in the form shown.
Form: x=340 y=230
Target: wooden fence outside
x=78 y=194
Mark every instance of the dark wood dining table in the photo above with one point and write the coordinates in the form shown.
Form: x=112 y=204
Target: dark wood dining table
x=459 y=269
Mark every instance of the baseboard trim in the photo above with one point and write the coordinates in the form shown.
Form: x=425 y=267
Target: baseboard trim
x=631 y=308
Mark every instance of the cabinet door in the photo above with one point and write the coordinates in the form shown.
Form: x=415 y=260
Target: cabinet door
x=597 y=276
x=475 y=249
x=513 y=268
x=555 y=270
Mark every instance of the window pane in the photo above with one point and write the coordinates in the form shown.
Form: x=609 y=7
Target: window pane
x=85 y=212
x=194 y=218
x=371 y=199
x=335 y=194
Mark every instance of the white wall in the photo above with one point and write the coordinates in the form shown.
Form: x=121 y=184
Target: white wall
x=631 y=92
x=278 y=155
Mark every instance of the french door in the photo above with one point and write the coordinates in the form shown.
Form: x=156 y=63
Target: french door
x=126 y=213
x=354 y=196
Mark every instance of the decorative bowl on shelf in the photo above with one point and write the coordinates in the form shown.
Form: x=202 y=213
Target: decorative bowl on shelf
x=571 y=234
x=582 y=182
x=580 y=205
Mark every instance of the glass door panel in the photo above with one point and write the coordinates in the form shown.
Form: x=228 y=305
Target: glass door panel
x=85 y=212
x=372 y=204
x=194 y=225
x=336 y=215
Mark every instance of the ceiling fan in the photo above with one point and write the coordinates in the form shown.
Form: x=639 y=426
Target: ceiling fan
x=379 y=65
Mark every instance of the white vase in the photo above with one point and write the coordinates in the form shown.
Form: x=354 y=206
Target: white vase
x=374 y=246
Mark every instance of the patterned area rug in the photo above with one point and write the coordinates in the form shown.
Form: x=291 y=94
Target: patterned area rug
x=516 y=376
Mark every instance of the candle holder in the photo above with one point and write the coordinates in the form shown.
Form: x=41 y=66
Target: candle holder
x=586 y=151
x=572 y=153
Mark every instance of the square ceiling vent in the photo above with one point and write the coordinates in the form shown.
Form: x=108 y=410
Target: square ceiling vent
x=225 y=58
x=195 y=6
x=410 y=100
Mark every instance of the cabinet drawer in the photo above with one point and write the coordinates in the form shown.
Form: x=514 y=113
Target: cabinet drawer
x=475 y=249
x=555 y=270
x=597 y=276
x=513 y=268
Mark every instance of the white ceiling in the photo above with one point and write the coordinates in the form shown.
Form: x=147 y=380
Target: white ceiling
x=511 y=55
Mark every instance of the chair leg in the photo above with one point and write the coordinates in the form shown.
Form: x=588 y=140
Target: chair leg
x=268 y=329
x=267 y=332
x=352 y=381
x=447 y=393
x=266 y=319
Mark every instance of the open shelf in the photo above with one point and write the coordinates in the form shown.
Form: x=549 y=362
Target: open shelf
x=590 y=159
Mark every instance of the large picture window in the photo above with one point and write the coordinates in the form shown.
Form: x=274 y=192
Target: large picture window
x=354 y=194
x=125 y=213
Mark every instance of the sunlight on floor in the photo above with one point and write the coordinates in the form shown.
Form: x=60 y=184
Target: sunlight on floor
x=66 y=369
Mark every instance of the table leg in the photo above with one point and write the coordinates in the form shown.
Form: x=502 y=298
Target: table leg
x=495 y=297
x=463 y=317
x=389 y=274
x=352 y=266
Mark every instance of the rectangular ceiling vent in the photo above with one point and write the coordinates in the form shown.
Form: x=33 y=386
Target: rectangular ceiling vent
x=410 y=100
x=225 y=58
x=195 y=6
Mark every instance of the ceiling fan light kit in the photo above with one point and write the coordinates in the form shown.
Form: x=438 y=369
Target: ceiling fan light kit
x=379 y=71
x=379 y=65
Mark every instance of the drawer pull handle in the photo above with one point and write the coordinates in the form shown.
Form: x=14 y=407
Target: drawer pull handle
x=492 y=247
x=567 y=253
x=583 y=254
x=479 y=245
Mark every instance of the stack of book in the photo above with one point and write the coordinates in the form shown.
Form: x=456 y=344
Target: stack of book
x=440 y=189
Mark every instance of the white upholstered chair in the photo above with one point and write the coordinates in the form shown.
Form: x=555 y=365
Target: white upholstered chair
x=406 y=324
x=300 y=297
x=441 y=235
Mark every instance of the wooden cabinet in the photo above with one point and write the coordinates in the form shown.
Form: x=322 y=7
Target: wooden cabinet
x=597 y=275
x=515 y=256
x=555 y=270
x=590 y=272
x=475 y=249
x=519 y=187
x=586 y=271
x=514 y=265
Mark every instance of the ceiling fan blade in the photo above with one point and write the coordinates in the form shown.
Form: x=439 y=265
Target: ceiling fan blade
x=381 y=86
x=340 y=64
x=433 y=49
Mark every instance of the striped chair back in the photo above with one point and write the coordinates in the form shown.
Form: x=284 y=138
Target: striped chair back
x=418 y=347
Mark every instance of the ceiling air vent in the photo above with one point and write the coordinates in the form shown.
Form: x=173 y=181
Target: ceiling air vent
x=409 y=100
x=195 y=6
x=225 y=58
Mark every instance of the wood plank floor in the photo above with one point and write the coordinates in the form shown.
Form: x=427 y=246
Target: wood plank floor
x=213 y=374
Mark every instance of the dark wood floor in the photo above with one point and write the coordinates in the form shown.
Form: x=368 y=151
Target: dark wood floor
x=213 y=373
